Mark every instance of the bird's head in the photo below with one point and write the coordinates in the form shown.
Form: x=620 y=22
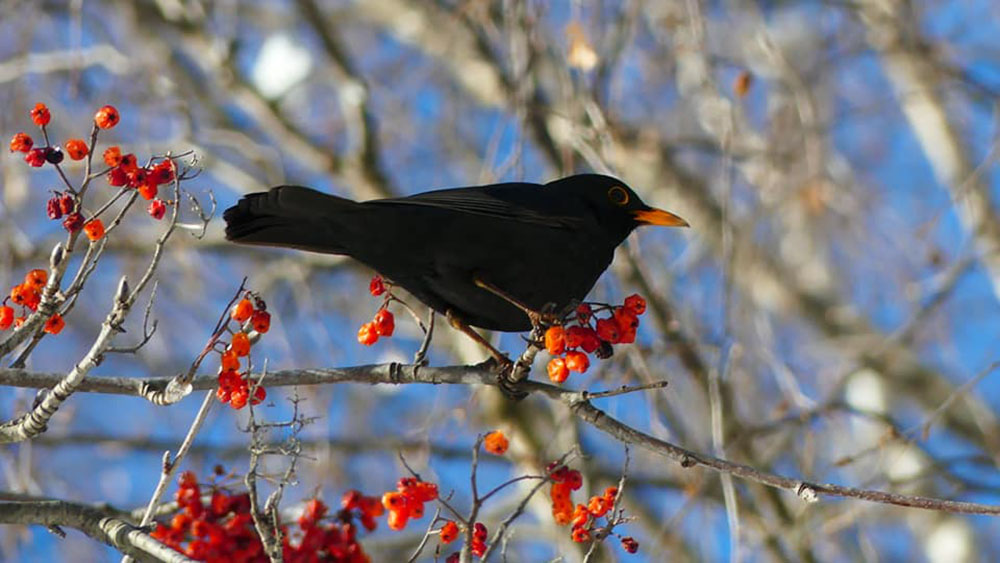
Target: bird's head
x=612 y=204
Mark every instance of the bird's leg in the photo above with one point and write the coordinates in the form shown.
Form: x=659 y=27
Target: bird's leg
x=420 y=358
x=537 y=318
x=504 y=367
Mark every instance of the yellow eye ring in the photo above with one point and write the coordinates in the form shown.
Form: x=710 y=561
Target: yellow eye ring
x=618 y=195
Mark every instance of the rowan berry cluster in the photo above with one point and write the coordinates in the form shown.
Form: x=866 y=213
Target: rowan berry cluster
x=27 y=295
x=478 y=545
x=123 y=170
x=248 y=314
x=407 y=501
x=582 y=517
x=222 y=530
x=384 y=323
x=584 y=333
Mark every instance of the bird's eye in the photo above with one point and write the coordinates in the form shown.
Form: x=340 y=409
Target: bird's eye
x=618 y=195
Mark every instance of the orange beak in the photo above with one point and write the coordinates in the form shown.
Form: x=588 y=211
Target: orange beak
x=659 y=217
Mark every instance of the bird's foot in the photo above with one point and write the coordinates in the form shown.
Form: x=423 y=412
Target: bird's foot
x=509 y=375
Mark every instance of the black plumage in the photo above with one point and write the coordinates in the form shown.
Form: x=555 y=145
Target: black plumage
x=536 y=244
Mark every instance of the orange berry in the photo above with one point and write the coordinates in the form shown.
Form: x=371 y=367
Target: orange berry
x=449 y=532
x=113 y=156
x=496 y=443
x=21 y=294
x=416 y=510
x=558 y=372
x=580 y=516
x=55 y=324
x=19 y=321
x=238 y=399
x=598 y=506
x=242 y=311
x=384 y=323
x=367 y=334
x=610 y=494
x=6 y=317
x=261 y=321
x=635 y=303
x=397 y=520
x=230 y=361
x=40 y=115
x=394 y=501
x=555 y=340
x=106 y=117
x=76 y=149
x=36 y=278
x=94 y=229
x=741 y=86
x=577 y=361
x=148 y=190
x=240 y=344
x=581 y=535
x=21 y=142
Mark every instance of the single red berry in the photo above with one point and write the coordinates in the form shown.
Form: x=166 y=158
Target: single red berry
x=240 y=344
x=573 y=479
x=313 y=512
x=113 y=156
x=610 y=494
x=117 y=177
x=259 y=394
x=35 y=157
x=73 y=222
x=384 y=323
x=397 y=519
x=238 y=399
x=598 y=506
x=496 y=443
x=36 y=278
x=577 y=361
x=163 y=172
x=581 y=535
x=555 y=340
x=54 y=155
x=558 y=372
x=106 y=117
x=635 y=303
x=377 y=286
x=630 y=545
x=449 y=532
x=76 y=149
x=67 y=204
x=580 y=516
x=21 y=142
x=242 y=311
x=479 y=532
x=230 y=362
x=52 y=208
x=40 y=115
x=149 y=191
x=394 y=501
x=607 y=329
x=129 y=163
x=94 y=229
x=136 y=177
x=157 y=209
x=367 y=334
x=261 y=321
x=55 y=324
x=6 y=317
x=583 y=313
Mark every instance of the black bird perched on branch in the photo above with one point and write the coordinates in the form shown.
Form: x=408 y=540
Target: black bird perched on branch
x=491 y=256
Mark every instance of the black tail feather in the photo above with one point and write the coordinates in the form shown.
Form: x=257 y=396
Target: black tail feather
x=289 y=216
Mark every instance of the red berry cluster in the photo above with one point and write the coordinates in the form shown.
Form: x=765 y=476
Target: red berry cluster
x=222 y=530
x=384 y=323
x=126 y=172
x=325 y=539
x=478 y=545
x=407 y=501
x=582 y=517
x=27 y=295
x=591 y=334
x=366 y=508
x=496 y=442
x=234 y=385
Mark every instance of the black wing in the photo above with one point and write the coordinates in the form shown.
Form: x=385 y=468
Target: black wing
x=522 y=202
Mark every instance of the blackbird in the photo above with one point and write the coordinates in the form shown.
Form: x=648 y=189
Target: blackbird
x=493 y=256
